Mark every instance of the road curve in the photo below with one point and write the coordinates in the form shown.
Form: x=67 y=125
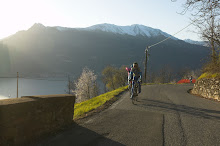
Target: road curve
x=163 y=115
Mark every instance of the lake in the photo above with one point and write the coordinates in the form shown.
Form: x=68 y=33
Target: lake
x=29 y=87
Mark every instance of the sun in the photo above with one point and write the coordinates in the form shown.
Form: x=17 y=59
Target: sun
x=18 y=15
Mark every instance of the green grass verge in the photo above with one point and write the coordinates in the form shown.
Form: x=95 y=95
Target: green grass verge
x=91 y=104
x=209 y=75
x=148 y=84
x=158 y=84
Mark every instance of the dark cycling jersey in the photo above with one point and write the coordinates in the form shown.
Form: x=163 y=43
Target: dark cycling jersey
x=135 y=73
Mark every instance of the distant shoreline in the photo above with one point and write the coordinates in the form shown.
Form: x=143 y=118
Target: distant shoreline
x=3 y=97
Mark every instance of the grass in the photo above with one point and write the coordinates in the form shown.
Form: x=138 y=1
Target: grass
x=91 y=104
x=148 y=84
x=209 y=75
x=158 y=84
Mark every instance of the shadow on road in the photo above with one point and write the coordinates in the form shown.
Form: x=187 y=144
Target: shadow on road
x=172 y=108
x=78 y=135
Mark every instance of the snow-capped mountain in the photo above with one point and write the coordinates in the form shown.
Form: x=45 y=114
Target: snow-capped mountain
x=63 y=28
x=44 y=49
x=201 y=43
x=134 y=30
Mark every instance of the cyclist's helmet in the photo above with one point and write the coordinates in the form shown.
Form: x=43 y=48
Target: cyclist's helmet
x=135 y=64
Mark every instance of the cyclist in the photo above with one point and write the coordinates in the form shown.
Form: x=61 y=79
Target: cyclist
x=128 y=70
x=135 y=76
x=191 y=78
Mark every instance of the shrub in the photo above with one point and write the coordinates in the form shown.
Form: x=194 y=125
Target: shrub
x=209 y=75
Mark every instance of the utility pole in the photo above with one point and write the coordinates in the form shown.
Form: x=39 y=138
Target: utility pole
x=145 y=67
x=17 y=84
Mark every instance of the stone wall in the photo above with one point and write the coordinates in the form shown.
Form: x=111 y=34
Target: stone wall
x=208 y=88
x=24 y=119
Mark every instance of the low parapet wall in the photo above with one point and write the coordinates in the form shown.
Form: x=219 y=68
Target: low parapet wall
x=24 y=119
x=208 y=88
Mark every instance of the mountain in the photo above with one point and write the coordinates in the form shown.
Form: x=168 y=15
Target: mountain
x=201 y=43
x=60 y=50
x=133 y=30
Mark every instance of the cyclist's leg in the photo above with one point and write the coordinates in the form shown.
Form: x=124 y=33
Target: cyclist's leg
x=129 y=85
x=132 y=89
x=139 y=87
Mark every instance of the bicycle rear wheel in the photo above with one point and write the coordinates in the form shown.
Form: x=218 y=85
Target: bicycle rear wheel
x=134 y=98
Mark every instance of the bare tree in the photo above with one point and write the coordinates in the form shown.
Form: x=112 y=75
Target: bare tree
x=200 y=7
x=194 y=73
x=153 y=77
x=209 y=30
x=165 y=74
x=206 y=16
x=70 y=86
x=86 y=86
x=183 y=72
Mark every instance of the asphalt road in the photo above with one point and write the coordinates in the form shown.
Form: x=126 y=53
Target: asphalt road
x=165 y=115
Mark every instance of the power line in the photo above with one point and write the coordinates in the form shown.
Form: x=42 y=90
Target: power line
x=147 y=48
x=173 y=34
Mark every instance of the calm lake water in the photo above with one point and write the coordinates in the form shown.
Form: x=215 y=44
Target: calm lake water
x=29 y=87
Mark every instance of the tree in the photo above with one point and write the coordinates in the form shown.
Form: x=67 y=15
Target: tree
x=114 y=77
x=95 y=90
x=164 y=75
x=206 y=14
x=86 y=86
x=200 y=7
x=183 y=72
x=120 y=77
x=153 y=77
x=194 y=73
x=209 y=30
x=108 y=75
x=70 y=86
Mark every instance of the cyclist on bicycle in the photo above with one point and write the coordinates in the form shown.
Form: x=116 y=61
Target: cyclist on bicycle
x=135 y=76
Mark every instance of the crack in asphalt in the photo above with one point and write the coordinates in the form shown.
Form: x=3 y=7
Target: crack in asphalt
x=183 y=137
x=163 y=123
x=164 y=115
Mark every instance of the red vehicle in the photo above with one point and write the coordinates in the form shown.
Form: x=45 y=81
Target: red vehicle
x=186 y=81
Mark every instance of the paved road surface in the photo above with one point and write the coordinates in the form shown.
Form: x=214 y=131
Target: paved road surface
x=165 y=115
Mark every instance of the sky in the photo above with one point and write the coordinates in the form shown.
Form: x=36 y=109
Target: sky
x=19 y=15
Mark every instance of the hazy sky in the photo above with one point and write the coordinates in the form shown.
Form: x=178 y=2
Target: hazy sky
x=18 y=15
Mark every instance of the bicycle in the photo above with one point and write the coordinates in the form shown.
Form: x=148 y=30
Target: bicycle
x=135 y=94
